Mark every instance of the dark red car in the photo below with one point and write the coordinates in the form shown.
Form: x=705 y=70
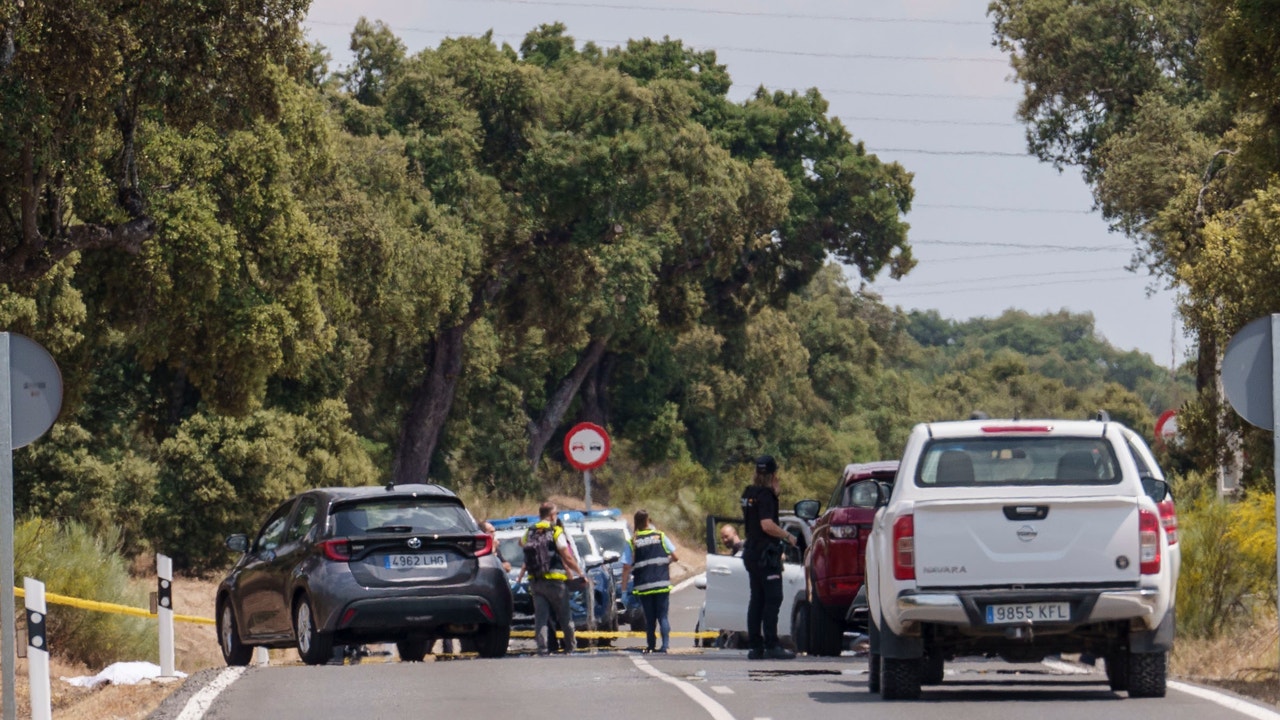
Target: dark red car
x=834 y=564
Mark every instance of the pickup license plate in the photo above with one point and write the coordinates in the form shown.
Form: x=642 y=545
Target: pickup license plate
x=434 y=561
x=1033 y=612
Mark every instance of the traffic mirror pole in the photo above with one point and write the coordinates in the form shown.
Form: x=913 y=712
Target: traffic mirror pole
x=1275 y=433
x=8 y=624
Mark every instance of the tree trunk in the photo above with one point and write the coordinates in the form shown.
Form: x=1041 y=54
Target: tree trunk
x=541 y=429
x=429 y=407
x=595 y=400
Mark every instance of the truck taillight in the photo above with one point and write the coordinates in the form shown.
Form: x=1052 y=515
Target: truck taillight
x=1169 y=519
x=337 y=549
x=1149 y=529
x=904 y=548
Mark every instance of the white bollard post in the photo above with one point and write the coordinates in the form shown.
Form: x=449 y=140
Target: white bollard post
x=164 y=612
x=261 y=656
x=38 y=652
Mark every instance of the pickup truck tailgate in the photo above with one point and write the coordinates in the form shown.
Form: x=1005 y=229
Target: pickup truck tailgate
x=1026 y=541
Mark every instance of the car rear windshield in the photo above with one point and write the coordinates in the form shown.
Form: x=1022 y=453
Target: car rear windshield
x=402 y=515
x=1005 y=460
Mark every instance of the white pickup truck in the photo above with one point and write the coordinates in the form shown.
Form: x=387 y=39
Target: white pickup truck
x=1019 y=539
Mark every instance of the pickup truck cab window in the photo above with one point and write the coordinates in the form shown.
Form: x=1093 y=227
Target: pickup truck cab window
x=1027 y=460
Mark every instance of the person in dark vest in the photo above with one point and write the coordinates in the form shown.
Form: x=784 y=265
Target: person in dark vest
x=550 y=595
x=763 y=559
x=649 y=555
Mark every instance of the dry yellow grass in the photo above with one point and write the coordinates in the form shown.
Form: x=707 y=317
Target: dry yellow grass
x=1246 y=662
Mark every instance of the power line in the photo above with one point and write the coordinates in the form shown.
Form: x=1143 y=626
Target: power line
x=718 y=48
x=1011 y=276
x=968 y=153
x=925 y=121
x=738 y=13
x=988 y=288
x=1002 y=256
x=989 y=208
x=1017 y=246
x=925 y=96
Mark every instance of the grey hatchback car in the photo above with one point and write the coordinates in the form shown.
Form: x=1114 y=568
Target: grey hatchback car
x=338 y=566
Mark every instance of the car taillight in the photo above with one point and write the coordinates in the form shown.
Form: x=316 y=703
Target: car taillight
x=337 y=549
x=844 y=532
x=994 y=429
x=484 y=544
x=1148 y=542
x=904 y=548
x=1169 y=519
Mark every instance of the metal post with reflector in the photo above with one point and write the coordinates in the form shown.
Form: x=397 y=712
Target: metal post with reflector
x=37 y=651
x=30 y=400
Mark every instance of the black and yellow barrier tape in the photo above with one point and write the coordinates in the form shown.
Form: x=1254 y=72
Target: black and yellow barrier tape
x=56 y=599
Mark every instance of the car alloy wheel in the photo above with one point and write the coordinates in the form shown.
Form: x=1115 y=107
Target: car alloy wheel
x=314 y=647
x=234 y=652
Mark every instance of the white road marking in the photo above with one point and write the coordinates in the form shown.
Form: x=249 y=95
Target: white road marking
x=685 y=583
x=199 y=703
x=713 y=708
x=1234 y=704
x=723 y=690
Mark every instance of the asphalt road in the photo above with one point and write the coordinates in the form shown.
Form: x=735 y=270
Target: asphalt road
x=688 y=684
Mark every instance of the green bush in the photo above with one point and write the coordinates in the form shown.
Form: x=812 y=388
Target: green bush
x=222 y=475
x=70 y=561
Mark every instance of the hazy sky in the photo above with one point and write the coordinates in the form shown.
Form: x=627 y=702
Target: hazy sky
x=920 y=83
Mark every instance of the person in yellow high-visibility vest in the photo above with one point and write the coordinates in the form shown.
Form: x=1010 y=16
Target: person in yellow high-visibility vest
x=550 y=595
x=649 y=554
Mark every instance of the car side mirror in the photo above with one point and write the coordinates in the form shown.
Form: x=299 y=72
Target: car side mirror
x=612 y=556
x=868 y=494
x=238 y=542
x=1157 y=490
x=808 y=509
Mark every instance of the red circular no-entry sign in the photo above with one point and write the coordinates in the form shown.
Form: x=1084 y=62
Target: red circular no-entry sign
x=587 y=446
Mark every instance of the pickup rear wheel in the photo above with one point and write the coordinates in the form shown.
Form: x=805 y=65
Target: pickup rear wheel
x=1148 y=674
x=826 y=634
x=900 y=678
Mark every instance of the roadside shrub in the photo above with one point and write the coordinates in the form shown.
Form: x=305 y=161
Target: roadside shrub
x=1228 y=559
x=71 y=561
x=221 y=475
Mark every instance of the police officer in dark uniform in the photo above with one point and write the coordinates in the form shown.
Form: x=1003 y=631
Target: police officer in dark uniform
x=763 y=559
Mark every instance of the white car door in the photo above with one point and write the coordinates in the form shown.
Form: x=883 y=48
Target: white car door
x=728 y=592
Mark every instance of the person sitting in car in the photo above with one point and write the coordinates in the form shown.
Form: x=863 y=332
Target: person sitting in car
x=729 y=538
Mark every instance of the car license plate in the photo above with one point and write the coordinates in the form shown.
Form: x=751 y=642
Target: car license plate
x=435 y=561
x=1029 y=612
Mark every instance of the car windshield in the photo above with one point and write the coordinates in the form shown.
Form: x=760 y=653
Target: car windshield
x=509 y=550
x=610 y=539
x=402 y=515
x=1044 y=460
x=583 y=546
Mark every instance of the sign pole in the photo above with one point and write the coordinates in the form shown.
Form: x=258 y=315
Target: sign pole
x=1275 y=431
x=8 y=625
x=586 y=481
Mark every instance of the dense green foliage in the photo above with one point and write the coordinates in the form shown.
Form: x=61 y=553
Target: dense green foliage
x=1170 y=110
x=430 y=265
